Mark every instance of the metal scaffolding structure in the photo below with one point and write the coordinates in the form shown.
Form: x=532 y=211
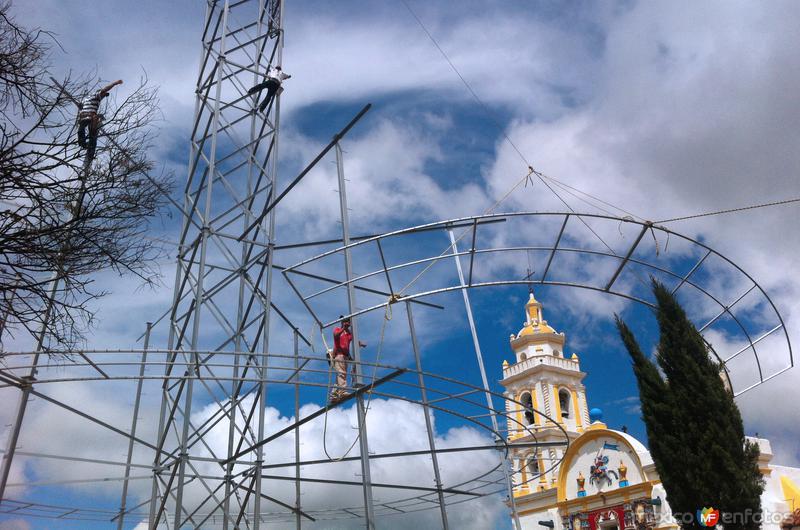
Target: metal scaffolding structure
x=199 y=436
x=219 y=327
x=220 y=481
x=429 y=393
x=564 y=253
x=224 y=249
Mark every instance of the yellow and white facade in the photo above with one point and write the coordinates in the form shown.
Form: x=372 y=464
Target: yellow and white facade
x=543 y=378
x=607 y=479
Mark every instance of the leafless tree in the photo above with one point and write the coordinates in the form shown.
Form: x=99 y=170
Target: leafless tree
x=63 y=218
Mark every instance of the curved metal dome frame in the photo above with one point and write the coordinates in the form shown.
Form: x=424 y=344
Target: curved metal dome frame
x=289 y=371
x=437 y=393
x=610 y=286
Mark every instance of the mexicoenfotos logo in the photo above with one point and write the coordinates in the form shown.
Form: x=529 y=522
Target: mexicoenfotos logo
x=708 y=516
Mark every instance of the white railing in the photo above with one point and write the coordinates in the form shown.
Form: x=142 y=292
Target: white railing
x=549 y=360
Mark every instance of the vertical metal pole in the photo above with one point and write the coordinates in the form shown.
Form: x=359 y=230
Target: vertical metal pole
x=268 y=295
x=234 y=401
x=154 y=492
x=13 y=437
x=162 y=417
x=192 y=371
x=299 y=519
x=369 y=513
x=426 y=411
x=22 y=404
x=247 y=219
x=262 y=394
x=485 y=381
x=134 y=423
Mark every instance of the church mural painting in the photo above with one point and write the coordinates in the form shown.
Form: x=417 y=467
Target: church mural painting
x=600 y=474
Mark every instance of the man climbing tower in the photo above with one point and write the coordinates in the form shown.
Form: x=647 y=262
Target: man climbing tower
x=342 y=336
x=275 y=78
x=89 y=117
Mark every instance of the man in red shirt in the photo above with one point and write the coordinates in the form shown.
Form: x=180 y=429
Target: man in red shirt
x=342 y=337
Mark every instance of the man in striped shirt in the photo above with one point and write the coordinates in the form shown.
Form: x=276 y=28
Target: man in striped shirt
x=88 y=117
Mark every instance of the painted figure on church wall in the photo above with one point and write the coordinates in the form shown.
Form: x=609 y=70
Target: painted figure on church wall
x=599 y=472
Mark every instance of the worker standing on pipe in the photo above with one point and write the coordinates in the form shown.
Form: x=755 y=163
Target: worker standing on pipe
x=275 y=78
x=342 y=337
x=90 y=118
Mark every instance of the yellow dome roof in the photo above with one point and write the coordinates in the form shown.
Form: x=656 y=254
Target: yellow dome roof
x=535 y=330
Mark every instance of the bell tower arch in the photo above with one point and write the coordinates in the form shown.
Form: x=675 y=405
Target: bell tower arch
x=544 y=378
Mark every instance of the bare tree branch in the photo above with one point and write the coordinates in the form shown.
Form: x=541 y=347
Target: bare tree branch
x=57 y=220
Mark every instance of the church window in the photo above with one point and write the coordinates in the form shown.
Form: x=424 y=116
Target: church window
x=533 y=466
x=564 y=401
x=527 y=404
x=522 y=356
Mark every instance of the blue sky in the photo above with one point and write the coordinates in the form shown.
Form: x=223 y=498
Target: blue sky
x=661 y=108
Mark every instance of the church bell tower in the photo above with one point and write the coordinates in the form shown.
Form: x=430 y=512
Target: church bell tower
x=542 y=377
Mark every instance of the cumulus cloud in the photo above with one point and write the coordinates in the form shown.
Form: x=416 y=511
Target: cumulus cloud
x=15 y=524
x=393 y=426
x=660 y=109
x=689 y=114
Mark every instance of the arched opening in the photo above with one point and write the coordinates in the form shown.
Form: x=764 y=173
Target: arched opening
x=527 y=405
x=522 y=356
x=532 y=464
x=565 y=402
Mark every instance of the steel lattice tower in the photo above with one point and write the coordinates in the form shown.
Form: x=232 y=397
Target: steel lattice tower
x=223 y=281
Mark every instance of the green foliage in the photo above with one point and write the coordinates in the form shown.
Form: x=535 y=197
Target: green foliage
x=694 y=427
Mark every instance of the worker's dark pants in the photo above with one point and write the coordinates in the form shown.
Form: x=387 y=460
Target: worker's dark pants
x=92 y=124
x=272 y=86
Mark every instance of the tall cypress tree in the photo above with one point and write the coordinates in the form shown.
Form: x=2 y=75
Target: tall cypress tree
x=694 y=427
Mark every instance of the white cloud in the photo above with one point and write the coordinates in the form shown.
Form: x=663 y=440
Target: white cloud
x=393 y=426
x=15 y=524
x=691 y=115
x=677 y=109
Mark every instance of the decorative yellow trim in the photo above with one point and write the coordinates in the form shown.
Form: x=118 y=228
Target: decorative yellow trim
x=542 y=477
x=597 y=426
x=559 y=417
x=518 y=414
x=594 y=432
x=644 y=489
x=523 y=465
x=576 y=407
x=537 y=420
x=791 y=492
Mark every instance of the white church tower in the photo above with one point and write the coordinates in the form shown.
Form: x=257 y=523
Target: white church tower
x=544 y=378
x=607 y=479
